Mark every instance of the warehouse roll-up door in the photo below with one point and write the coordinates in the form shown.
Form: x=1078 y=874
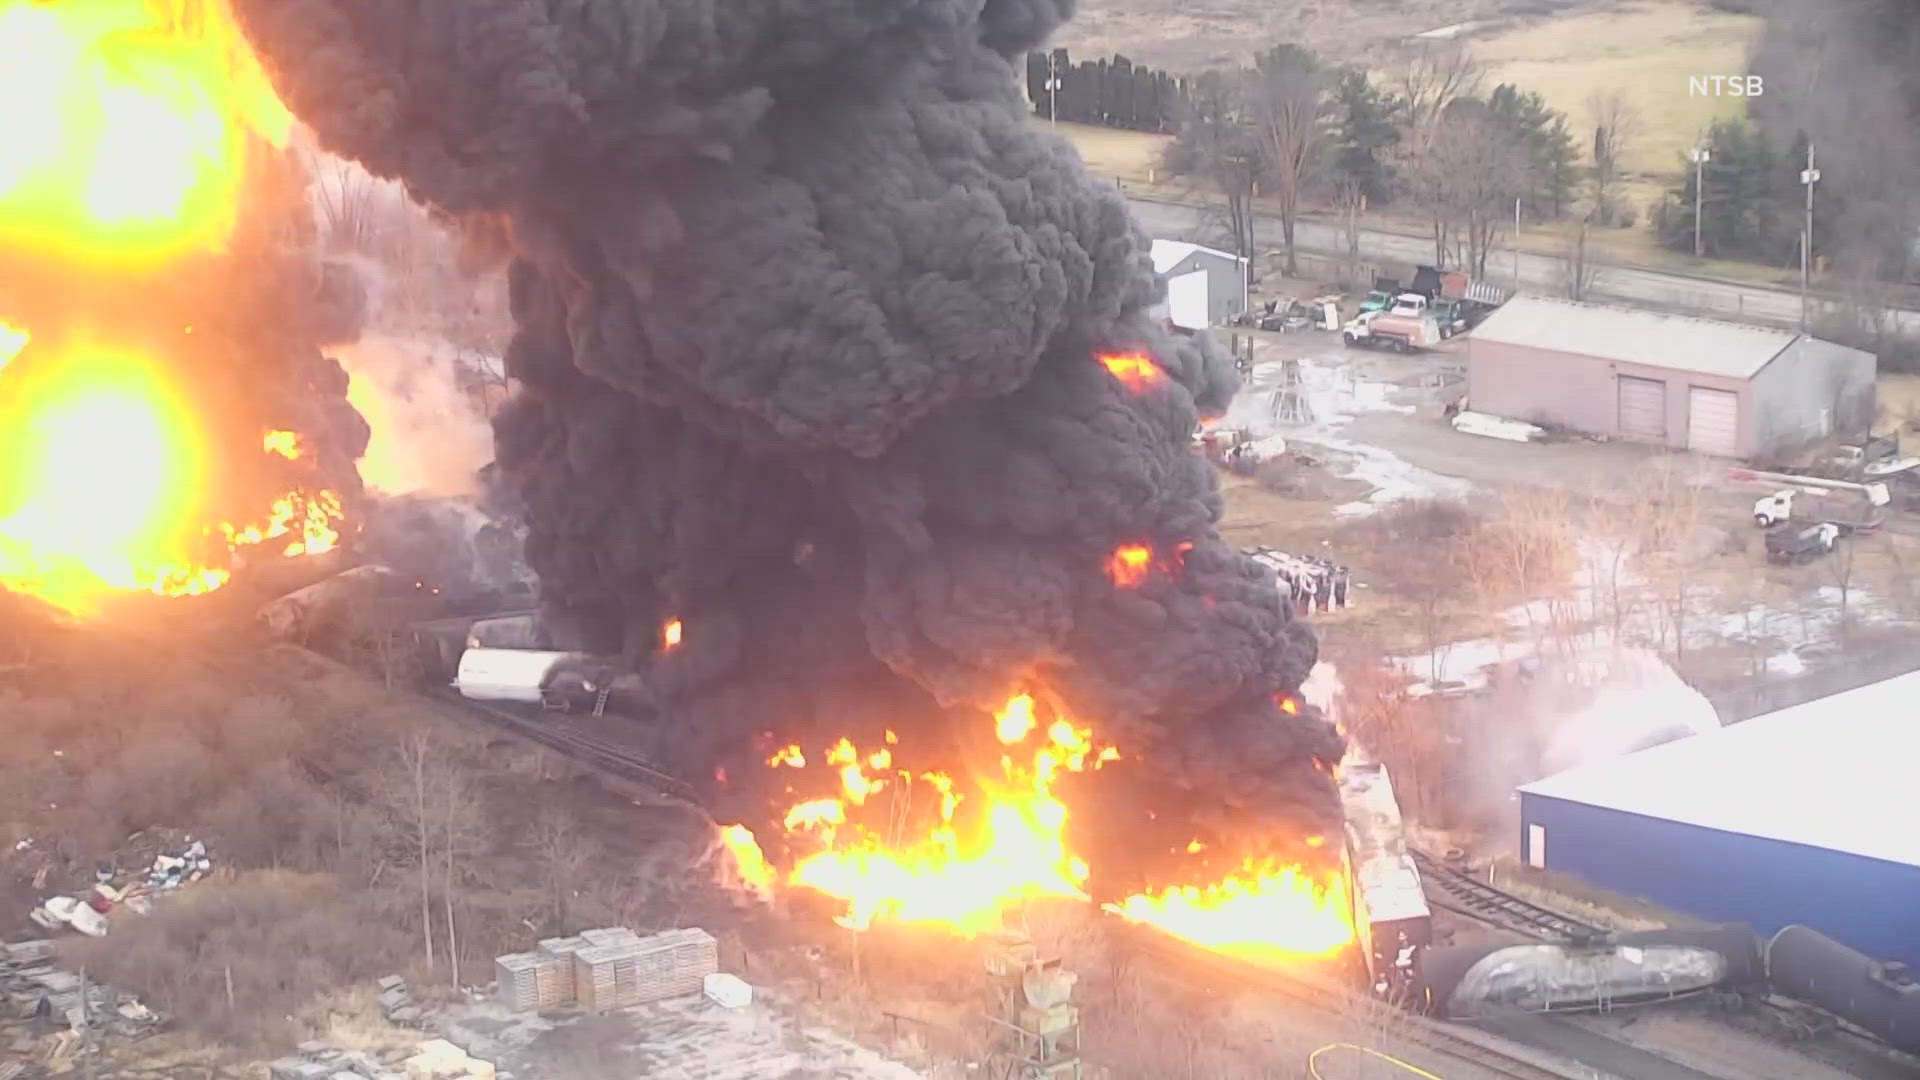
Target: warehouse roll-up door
x=1643 y=407
x=1713 y=421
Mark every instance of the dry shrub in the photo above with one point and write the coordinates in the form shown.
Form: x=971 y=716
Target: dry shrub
x=281 y=938
x=1426 y=522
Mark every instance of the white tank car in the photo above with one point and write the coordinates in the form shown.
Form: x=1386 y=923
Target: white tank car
x=555 y=680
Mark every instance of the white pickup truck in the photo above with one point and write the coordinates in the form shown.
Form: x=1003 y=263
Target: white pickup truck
x=1405 y=327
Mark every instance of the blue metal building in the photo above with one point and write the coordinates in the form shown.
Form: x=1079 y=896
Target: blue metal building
x=1809 y=815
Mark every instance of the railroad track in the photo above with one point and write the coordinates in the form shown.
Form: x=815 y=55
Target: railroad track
x=586 y=749
x=1452 y=1042
x=1464 y=894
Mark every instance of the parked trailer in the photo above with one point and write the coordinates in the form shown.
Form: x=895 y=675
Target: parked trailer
x=1883 y=998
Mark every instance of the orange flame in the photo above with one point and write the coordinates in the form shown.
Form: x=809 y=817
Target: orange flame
x=127 y=126
x=670 y=635
x=965 y=879
x=1128 y=565
x=1136 y=371
x=1266 y=911
x=284 y=443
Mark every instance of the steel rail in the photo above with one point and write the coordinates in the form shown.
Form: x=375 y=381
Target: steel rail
x=1466 y=895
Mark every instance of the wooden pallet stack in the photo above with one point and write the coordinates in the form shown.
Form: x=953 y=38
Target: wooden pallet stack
x=556 y=960
x=596 y=983
x=608 y=968
x=517 y=977
x=674 y=962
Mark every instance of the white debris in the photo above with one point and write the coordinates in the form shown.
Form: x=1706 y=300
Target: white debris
x=729 y=991
x=1496 y=427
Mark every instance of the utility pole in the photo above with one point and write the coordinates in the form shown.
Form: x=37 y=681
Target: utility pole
x=1700 y=156
x=1516 y=245
x=1808 y=176
x=1053 y=88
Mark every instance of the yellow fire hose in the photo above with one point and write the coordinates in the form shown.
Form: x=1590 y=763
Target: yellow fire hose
x=1313 y=1060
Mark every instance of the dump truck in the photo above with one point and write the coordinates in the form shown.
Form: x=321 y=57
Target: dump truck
x=1853 y=507
x=1406 y=327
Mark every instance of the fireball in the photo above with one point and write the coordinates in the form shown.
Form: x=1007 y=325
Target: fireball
x=128 y=125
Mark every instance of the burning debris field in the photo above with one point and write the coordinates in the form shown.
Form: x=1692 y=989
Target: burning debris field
x=841 y=419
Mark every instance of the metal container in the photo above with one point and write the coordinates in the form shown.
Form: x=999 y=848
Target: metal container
x=521 y=675
x=1884 y=998
x=1462 y=982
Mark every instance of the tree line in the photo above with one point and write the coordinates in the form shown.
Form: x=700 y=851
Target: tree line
x=1113 y=92
x=1424 y=137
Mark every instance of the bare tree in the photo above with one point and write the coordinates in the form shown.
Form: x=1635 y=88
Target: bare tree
x=1841 y=567
x=415 y=806
x=1615 y=126
x=564 y=857
x=1578 y=272
x=1352 y=200
x=1524 y=554
x=461 y=830
x=1216 y=146
x=1670 y=515
x=1430 y=78
x=1288 y=107
x=1465 y=180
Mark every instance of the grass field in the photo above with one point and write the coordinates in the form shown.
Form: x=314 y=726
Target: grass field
x=1899 y=400
x=1130 y=155
x=1646 y=49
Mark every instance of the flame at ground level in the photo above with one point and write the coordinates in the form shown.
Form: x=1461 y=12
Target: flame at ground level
x=103 y=470
x=965 y=878
x=1265 y=912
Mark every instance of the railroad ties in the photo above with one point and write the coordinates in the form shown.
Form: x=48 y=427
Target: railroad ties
x=1464 y=894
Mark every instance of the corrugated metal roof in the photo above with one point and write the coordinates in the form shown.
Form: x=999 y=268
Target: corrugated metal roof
x=1832 y=773
x=1168 y=253
x=1629 y=335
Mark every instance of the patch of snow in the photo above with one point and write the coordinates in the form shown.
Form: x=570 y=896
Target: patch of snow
x=1495 y=427
x=1393 y=479
x=1786 y=663
x=1335 y=394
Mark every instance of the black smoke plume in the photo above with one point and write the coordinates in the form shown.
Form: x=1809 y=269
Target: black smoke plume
x=808 y=314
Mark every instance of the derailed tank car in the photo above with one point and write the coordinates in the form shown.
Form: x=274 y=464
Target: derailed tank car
x=1390 y=913
x=1883 y=998
x=1492 y=978
x=560 y=681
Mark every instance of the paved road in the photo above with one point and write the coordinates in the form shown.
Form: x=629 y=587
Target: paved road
x=1172 y=220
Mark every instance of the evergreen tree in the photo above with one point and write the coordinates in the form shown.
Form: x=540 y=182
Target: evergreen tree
x=1364 y=124
x=1754 y=204
x=1543 y=135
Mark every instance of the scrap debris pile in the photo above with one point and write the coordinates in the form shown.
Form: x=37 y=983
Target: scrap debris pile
x=87 y=912
x=35 y=986
x=1314 y=584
